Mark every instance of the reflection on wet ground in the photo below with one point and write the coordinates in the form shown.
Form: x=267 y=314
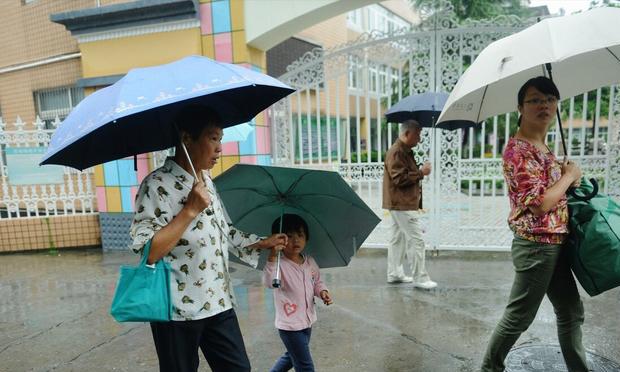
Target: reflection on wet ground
x=54 y=316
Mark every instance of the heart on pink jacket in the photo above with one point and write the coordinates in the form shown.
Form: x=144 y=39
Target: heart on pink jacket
x=289 y=308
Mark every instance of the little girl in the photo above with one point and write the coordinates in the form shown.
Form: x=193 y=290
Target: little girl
x=294 y=299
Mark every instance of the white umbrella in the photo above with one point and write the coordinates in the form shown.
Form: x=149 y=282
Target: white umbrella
x=583 y=51
x=579 y=53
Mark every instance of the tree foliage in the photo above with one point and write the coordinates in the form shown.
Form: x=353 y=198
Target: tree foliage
x=478 y=9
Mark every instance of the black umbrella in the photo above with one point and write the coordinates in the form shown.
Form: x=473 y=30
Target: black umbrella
x=425 y=109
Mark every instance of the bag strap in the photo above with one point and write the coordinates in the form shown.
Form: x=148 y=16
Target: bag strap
x=145 y=253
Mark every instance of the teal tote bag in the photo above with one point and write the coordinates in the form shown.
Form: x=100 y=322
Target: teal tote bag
x=594 y=242
x=143 y=292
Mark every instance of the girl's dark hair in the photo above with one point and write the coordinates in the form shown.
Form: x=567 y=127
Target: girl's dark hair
x=541 y=83
x=193 y=119
x=291 y=223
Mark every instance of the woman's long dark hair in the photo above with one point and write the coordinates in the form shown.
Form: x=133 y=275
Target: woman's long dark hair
x=542 y=84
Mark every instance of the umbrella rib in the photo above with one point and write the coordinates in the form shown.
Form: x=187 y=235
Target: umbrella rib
x=240 y=218
x=273 y=181
x=333 y=197
x=481 y=103
x=612 y=53
x=292 y=187
x=247 y=189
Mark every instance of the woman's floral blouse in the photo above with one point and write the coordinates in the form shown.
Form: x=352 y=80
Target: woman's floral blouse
x=528 y=173
x=199 y=281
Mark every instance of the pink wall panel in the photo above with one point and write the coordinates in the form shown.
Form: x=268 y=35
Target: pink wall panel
x=206 y=24
x=102 y=204
x=230 y=148
x=134 y=192
x=223 y=47
x=251 y=159
x=143 y=169
x=263 y=140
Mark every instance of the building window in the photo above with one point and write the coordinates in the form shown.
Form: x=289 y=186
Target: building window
x=58 y=102
x=355 y=72
x=383 y=80
x=375 y=17
x=373 y=79
x=355 y=19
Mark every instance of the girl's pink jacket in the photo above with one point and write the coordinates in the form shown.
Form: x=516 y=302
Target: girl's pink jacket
x=294 y=300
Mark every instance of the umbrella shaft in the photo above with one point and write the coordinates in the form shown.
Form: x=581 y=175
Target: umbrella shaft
x=190 y=161
x=278 y=266
x=557 y=112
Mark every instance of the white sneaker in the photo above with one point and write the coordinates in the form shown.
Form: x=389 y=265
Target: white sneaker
x=429 y=284
x=404 y=279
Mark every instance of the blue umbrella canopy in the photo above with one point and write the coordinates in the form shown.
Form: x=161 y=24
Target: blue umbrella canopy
x=135 y=114
x=425 y=109
x=237 y=133
x=338 y=220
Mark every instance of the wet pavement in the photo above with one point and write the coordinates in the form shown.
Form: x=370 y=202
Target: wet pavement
x=54 y=316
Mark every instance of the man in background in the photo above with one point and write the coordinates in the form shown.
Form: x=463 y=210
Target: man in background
x=402 y=197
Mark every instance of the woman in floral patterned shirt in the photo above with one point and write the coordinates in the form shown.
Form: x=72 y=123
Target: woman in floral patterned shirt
x=186 y=222
x=537 y=184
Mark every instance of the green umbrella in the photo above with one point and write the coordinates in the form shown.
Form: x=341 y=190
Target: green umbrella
x=338 y=220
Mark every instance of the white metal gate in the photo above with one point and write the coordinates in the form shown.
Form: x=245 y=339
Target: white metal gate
x=335 y=121
x=74 y=195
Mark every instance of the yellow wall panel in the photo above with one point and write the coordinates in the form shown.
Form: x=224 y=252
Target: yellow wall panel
x=208 y=47
x=113 y=197
x=240 y=50
x=117 y=56
x=217 y=170
x=99 y=180
x=363 y=129
x=260 y=119
x=229 y=161
x=237 y=13
x=258 y=58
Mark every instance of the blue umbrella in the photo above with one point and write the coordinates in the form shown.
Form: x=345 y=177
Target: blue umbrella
x=135 y=114
x=425 y=109
x=237 y=133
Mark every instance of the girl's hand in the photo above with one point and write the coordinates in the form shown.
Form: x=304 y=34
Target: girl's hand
x=327 y=299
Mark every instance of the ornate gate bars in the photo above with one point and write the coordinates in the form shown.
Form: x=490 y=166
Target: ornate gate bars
x=335 y=121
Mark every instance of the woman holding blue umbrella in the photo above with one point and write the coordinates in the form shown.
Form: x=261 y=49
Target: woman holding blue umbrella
x=179 y=211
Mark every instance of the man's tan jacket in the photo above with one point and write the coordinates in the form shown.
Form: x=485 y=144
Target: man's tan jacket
x=401 y=179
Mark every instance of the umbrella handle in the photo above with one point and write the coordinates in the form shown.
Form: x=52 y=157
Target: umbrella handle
x=276 y=281
x=190 y=162
x=573 y=192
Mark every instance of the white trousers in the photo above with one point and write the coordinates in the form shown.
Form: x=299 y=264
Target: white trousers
x=406 y=246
